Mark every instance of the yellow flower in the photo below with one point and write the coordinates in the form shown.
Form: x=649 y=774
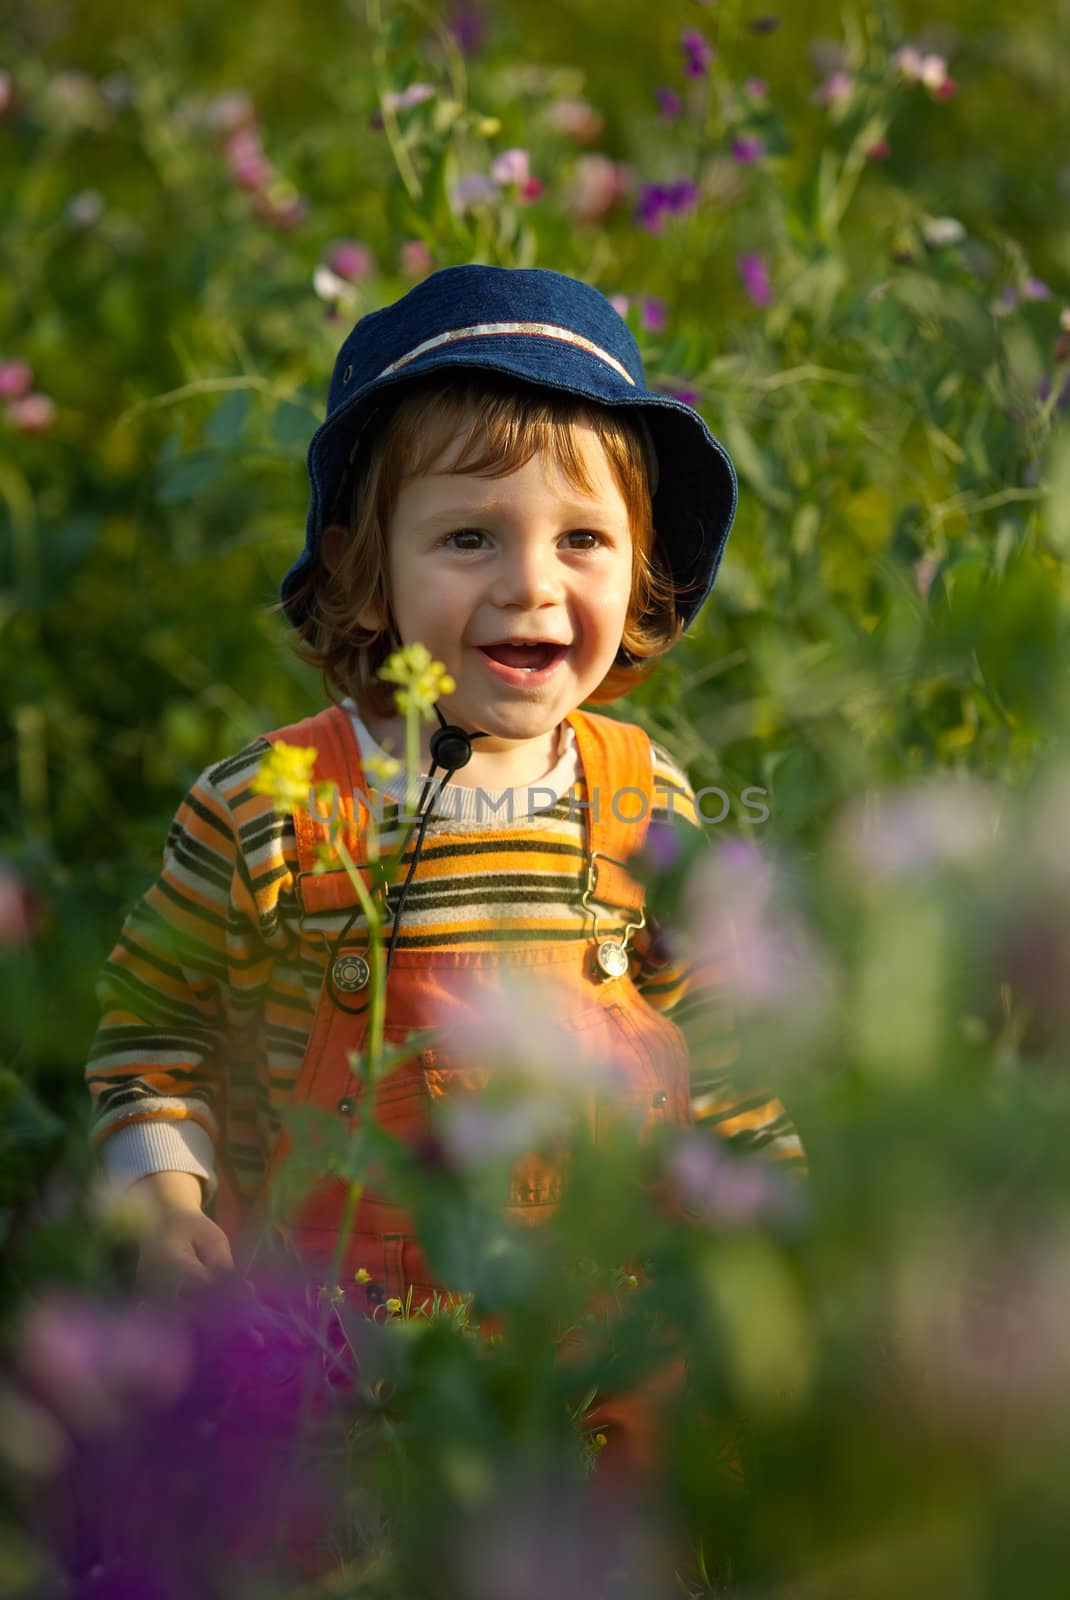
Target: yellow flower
x=422 y=681
x=285 y=775
x=362 y=1275
x=382 y=767
x=394 y=1306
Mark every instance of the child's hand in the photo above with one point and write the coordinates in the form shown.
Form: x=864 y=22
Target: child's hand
x=181 y=1246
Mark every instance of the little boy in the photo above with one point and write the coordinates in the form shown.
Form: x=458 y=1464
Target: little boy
x=495 y=482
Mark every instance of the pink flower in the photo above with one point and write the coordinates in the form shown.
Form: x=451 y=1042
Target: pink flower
x=575 y=118
x=754 y=274
x=654 y=316
x=668 y=102
x=248 y=164
x=7 y=92
x=405 y=99
x=31 y=413
x=699 y=54
x=947 y=90
x=18 y=909
x=836 y=89
x=620 y=304
x=15 y=379
x=879 y=151
x=933 y=71
x=597 y=184
x=756 y=88
x=511 y=167
x=229 y=112
x=1035 y=289
x=416 y=259
x=531 y=189
x=908 y=60
x=352 y=261
x=748 y=149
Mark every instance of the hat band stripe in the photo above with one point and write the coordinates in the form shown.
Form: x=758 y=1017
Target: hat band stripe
x=485 y=330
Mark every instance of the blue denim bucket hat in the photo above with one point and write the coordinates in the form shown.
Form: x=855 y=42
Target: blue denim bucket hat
x=543 y=328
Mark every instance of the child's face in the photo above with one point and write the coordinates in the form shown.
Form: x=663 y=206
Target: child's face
x=475 y=562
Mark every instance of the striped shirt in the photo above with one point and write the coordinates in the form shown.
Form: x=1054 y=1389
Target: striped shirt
x=209 y=996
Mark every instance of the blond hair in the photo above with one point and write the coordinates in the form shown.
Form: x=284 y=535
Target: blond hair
x=507 y=423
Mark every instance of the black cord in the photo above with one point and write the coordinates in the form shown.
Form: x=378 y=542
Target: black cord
x=451 y=748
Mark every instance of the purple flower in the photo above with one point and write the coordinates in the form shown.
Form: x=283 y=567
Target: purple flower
x=912 y=831
x=728 y=1191
x=475 y=189
x=699 y=54
x=654 y=316
x=652 y=206
x=747 y=149
x=656 y=199
x=468 y=25
x=669 y=103
x=754 y=274
x=687 y=397
x=1036 y=289
x=198 y=1409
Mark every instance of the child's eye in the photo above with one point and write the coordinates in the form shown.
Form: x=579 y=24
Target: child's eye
x=464 y=533
x=586 y=533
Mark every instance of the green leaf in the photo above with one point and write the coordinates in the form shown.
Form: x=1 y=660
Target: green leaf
x=186 y=479
x=292 y=426
x=224 y=427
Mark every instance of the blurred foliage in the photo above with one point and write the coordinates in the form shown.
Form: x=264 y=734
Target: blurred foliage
x=890 y=621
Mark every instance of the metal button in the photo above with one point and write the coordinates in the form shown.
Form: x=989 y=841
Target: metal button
x=350 y=973
x=660 y=1099
x=346 y=1106
x=611 y=958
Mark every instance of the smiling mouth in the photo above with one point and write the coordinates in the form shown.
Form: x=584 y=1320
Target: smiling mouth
x=529 y=657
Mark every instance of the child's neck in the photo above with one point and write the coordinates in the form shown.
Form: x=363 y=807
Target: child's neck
x=507 y=764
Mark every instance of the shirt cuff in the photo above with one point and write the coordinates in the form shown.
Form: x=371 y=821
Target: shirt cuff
x=140 y=1148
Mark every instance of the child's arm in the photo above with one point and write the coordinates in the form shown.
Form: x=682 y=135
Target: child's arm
x=187 y=967
x=180 y=1244
x=696 y=994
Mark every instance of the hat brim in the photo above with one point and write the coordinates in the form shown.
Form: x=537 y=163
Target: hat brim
x=693 y=506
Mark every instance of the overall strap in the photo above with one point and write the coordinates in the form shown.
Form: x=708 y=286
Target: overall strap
x=330 y=733
x=619 y=771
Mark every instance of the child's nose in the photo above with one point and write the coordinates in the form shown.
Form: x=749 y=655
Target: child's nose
x=528 y=577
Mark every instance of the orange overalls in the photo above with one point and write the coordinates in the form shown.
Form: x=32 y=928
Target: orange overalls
x=605 y=1018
